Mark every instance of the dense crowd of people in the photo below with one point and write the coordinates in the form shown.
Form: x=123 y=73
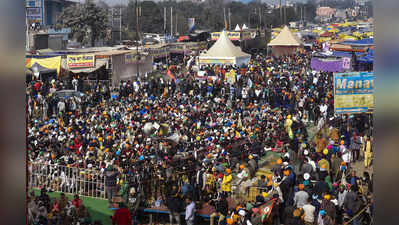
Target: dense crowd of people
x=165 y=141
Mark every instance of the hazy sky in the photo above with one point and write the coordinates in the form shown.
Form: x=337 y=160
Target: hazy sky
x=113 y=2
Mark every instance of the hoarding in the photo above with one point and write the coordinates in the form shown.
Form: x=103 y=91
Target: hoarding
x=234 y=36
x=35 y=11
x=216 y=61
x=353 y=92
x=80 y=61
x=133 y=58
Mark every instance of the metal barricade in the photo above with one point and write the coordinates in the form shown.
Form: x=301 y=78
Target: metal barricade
x=255 y=191
x=247 y=193
x=72 y=180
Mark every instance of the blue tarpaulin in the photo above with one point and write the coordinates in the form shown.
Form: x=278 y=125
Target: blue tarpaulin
x=369 y=58
x=366 y=41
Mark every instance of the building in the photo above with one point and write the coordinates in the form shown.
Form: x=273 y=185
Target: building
x=45 y=12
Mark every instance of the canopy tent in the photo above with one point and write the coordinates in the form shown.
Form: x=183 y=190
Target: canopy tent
x=41 y=69
x=237 y=28
x=51 y=63
x=286 y=43
x=224 y=52
x=244 y=27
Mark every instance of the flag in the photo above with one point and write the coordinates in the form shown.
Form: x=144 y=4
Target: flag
x=266 y=209
x=171 y=76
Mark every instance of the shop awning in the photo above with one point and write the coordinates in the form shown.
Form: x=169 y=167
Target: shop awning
x=52 y=63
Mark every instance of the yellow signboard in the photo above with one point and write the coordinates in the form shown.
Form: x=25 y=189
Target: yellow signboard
x=246 y=35
x=80 y=61
x=234 y=36
x=216 y=61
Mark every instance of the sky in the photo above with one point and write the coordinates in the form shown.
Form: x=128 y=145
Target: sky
x=113 y=2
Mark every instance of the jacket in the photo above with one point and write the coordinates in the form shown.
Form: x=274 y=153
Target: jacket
x=110 y=178
x=226 y=183
x=350 y=200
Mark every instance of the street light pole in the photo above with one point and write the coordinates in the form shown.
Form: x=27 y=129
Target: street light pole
x=137 y=39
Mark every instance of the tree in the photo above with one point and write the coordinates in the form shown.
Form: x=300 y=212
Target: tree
x=87 y=21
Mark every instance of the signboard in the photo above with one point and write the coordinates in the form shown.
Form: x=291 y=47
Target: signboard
x=353 y=92
x=133 y=58
x=176 y=49
x=234 y=36
x=346 y=63
x=59 y=31
x=159 y=52
x=216 y=61
x=34 y=3
x=246 y=35
x=35 y=11
x=80 y=61
x=63 y=31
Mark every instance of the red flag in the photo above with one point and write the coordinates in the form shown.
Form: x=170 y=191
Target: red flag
x=170 y=74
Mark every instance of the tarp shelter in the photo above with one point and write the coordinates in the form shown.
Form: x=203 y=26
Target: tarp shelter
x=368 y=58
x=51 y=63
x=224 y=52
x=362 y=42
x=286 y=43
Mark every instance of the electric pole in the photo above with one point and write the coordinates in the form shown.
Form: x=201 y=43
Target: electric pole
x=285 y=13
x=171 y=21
x=120 y=24
x=224 y=18
x=229 y=19
x=164 y=20
x=137 y=40
x=176 y=23
x=281 y=14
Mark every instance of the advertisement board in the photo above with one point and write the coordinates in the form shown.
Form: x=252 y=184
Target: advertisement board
x=353 y=92
x=177 y=49
x=80 y=61
x=246 y=35
x=133 y=58
x=234 y=36
x=216 y=61
x=159 y=52
x=35 y=11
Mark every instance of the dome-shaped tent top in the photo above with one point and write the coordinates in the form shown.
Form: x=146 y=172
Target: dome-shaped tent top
x=237 y=28
x=224 y=52
x=223 y=47
x=286 y=38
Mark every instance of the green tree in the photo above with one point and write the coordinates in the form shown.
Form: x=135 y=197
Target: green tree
x=87 y=21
